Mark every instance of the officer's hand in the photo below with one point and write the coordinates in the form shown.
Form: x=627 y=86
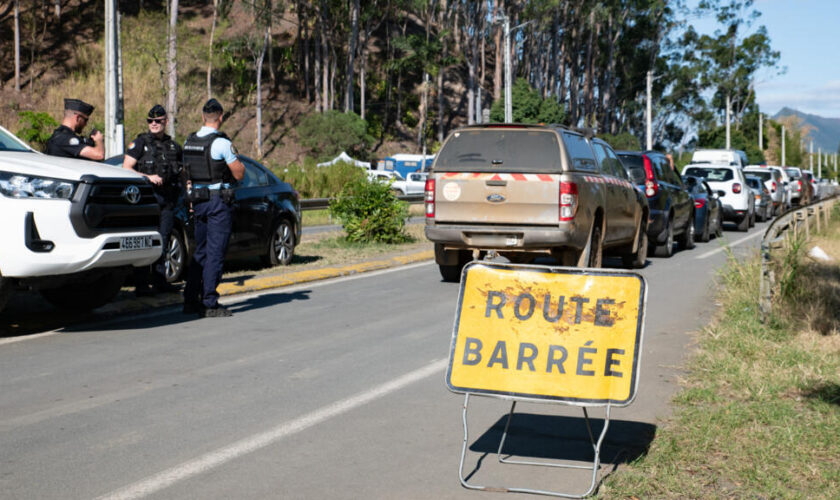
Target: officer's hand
x=155 y=179
x=97 y=136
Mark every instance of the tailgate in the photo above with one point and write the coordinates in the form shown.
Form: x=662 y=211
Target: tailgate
x=506 y=198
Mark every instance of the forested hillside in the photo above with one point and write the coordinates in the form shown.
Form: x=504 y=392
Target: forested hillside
x=307 y=78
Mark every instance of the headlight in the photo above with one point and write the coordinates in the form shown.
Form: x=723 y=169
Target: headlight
x=27 y=186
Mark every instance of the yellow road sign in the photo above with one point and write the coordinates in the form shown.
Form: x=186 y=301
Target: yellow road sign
x=560 y=334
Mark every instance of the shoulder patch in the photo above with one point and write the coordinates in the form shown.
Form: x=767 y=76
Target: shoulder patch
x=131 y=146
x=233 y=149
x=74 y=141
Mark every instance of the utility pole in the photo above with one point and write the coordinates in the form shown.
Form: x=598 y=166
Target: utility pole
x=760 y=132
x=114 y=129
x=649 y=113
x=508 y=98
x=728 y=141
x=811 y=156
x=783 y=142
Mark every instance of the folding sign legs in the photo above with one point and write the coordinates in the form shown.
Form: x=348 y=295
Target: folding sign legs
x=596 y=447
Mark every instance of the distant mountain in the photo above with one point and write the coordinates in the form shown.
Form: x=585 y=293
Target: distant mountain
x=826 y=131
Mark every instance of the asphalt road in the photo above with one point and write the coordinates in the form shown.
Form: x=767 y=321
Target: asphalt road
x=326 y=390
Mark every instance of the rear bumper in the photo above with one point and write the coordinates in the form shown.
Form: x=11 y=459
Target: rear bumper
x=731 y=214
x=512 y=238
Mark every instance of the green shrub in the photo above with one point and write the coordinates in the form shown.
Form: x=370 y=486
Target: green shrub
x=328 y=134
x=312 y=181
x=370 y=212
x=528 y=106
x=36 y=128
x=624 y=140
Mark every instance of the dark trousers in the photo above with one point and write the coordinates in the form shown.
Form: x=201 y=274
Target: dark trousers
x=156 y=274
x=213 y=225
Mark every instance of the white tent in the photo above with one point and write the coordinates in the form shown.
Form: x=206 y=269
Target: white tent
x=345 y=158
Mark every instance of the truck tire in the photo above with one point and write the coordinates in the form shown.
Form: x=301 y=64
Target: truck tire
x=5 y=291
x=176 y=257
x=86 y=296
x=281 y=246
x=637 y=259
x=451 y=270
x=596 y=250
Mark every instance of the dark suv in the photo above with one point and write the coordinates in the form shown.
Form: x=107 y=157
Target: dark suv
x=671 y=207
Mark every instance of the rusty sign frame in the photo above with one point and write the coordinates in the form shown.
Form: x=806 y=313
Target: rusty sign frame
x=514 y=398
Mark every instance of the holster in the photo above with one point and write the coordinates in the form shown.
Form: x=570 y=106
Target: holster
x=197 y=195
x=228 y=195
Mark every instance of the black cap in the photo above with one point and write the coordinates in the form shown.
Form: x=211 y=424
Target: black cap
x=78 y=105
x=157 y=111
x=212 y=106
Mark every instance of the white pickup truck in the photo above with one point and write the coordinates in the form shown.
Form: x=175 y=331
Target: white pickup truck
x=71 y=229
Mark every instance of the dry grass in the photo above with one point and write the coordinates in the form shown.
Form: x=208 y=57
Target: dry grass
x=759 y=412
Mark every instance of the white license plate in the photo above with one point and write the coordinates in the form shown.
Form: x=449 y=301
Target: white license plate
x=135 y=242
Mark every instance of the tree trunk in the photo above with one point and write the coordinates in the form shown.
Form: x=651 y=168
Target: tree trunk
x=316 y=73
x=498 y=7
x=270 y=46
x=260 y=60
x=172 y=68
x=588 y=72
x=17 y=45
x=351 y=53
x=325 y=56
x=216 y=5
x=440 y=76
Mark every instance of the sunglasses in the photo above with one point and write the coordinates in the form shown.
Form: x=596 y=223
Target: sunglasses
x=156 y=120
x=83 y=117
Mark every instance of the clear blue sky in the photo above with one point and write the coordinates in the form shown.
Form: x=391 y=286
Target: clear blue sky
x=807 y=33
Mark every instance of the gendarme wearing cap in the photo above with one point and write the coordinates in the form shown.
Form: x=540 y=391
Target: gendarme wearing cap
x=67 y=141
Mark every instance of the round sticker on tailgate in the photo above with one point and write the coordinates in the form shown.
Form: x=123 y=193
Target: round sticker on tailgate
x=451 y=191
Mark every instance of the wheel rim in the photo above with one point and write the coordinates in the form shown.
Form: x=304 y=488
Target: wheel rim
x=174 y=261
x=669 y=241
x=283 y=242
x=690 y=231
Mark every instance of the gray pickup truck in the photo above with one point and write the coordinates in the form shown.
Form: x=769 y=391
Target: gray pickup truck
x=525 y=191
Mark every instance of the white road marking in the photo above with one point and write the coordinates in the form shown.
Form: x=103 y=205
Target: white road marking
x=225 y=300
x=219 y=457
x=734 y=243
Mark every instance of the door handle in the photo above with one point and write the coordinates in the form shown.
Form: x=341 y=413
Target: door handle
x=496 y=183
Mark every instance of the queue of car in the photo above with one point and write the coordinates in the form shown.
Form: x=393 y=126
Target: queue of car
x=526 y=192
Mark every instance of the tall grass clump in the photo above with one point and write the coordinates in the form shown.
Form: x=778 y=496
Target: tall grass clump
x=312 y=181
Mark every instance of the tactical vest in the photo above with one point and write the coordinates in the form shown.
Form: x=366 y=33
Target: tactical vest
x=160 y=157
x=200 y=167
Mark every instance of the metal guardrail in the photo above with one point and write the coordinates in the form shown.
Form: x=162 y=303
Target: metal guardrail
x=776 y=236
x=323 y=203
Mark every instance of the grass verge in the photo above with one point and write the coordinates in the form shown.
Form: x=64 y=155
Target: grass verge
x=759 y=412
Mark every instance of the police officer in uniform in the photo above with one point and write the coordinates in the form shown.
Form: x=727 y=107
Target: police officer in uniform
x=67 y=142
x=212 y=170
x=156 y=156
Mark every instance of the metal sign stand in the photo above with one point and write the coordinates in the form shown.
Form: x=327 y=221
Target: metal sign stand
x=596 y=447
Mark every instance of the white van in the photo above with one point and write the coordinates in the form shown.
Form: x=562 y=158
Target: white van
x=733 y=157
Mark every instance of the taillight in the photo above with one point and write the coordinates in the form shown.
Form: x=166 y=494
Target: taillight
x=430 y=198
x=799 y=185
x=568 y=200
x=774 y=187
x=651 y=186
x=736 y=188
x=699 y=203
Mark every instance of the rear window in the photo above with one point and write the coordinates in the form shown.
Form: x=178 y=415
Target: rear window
x=580 y=153
x=754 y=183
x=711 y=174
x=501 y=150
x=793 y=173
x=636 y=166
x=765 y=176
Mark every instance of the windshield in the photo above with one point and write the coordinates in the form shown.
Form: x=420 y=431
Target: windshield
x=11 y=143
x=500 y=150
x=710 y=173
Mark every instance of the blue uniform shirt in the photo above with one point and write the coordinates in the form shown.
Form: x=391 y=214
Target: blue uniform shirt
x=221 y=147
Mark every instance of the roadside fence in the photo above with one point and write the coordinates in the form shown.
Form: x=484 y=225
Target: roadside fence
x=782 y=231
